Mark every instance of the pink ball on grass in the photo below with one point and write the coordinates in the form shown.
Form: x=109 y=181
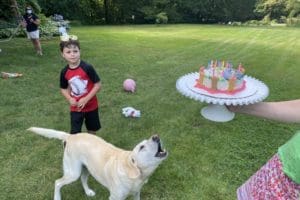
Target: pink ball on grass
x=129 y=85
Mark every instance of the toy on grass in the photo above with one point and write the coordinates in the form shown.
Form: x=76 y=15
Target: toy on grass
x=10 y=75
x=129 y=85
x=131 y=112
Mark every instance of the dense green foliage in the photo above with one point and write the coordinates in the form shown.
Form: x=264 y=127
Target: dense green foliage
x=11 y=16
x=207 y=160
x=176 y=11
x=10 y=10
x=275 y=9
x=149 y=11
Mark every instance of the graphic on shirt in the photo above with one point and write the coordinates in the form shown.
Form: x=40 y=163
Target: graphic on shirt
x=78 y=86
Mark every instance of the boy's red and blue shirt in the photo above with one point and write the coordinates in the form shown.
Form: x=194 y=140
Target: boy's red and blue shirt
x=80 y=81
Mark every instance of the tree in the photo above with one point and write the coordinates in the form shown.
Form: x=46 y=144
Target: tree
x=5 y=10
x=86 y=11
x=273 y=9
x=15 y=10
x=106 y=11
x=10 y=10
x=293 y=8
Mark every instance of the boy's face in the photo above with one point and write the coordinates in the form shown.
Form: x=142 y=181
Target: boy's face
x=71 y=54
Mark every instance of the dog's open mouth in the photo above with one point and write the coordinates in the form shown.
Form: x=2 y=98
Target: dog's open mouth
x=160 y=152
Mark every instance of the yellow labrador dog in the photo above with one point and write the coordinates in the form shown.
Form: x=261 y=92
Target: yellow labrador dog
x=122 y=172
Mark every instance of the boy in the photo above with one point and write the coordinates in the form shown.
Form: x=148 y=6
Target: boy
x=79 y=84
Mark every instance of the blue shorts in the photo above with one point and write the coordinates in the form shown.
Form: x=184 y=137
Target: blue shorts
x=91 y=120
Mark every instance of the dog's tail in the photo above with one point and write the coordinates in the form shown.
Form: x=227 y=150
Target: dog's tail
x=50 y=133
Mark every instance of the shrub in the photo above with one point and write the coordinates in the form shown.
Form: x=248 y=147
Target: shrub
x=256 y=23
x=8 y=29
x=161 y=18
x=236 y=23
x=47 y=28
x=293 y=21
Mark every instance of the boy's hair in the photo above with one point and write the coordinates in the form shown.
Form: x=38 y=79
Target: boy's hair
x=68 y=44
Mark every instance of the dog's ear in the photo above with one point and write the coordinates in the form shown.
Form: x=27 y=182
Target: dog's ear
x=131 y=168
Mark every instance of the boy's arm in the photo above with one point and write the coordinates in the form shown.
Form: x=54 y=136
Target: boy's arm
x=83 y=101
x=66 y=94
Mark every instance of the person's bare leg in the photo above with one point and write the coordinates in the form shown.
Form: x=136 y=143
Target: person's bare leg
x=37 y=46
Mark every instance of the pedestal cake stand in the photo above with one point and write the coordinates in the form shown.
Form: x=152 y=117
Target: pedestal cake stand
x=216 y=110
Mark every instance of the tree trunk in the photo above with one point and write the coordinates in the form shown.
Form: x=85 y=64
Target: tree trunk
x=15 y=9
x=106 y=8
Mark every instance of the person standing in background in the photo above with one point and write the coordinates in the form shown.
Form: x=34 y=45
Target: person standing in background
x=31 y=23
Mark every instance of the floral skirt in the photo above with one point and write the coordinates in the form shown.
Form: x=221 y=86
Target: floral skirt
x=269 y=183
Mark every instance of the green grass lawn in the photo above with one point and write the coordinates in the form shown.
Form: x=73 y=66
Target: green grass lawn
x=207 y=160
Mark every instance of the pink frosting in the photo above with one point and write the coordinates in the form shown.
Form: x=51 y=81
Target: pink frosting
x=212 y=91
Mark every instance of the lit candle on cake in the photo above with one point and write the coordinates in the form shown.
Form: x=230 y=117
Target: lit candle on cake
x=241 y=68
x=214 y=80
x=201 y=75
x=231 y=83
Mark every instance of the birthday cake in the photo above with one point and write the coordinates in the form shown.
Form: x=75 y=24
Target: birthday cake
x=221 y=77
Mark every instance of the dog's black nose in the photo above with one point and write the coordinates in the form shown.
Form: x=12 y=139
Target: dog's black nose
x=155 y=138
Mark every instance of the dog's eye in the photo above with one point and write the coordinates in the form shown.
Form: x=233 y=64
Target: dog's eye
x=142 y=147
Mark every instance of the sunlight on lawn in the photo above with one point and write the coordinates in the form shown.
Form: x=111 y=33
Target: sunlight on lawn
x=207 y=160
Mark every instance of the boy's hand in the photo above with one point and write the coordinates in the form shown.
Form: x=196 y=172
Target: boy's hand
x=81 y=103
x=72 y=102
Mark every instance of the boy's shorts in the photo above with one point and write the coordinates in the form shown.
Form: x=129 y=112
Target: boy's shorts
x=91 y=119
x=33 y=34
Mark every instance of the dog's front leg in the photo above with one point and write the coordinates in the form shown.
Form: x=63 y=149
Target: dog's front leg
x=137 y=196
x=116 y=196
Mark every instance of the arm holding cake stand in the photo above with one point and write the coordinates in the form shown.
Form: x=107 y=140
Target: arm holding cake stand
x=283 y=111
x=283 y=167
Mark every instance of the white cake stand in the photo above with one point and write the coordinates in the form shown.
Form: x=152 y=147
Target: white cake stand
x=254 y=92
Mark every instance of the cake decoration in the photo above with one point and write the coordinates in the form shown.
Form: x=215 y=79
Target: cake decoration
x=221 y=77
